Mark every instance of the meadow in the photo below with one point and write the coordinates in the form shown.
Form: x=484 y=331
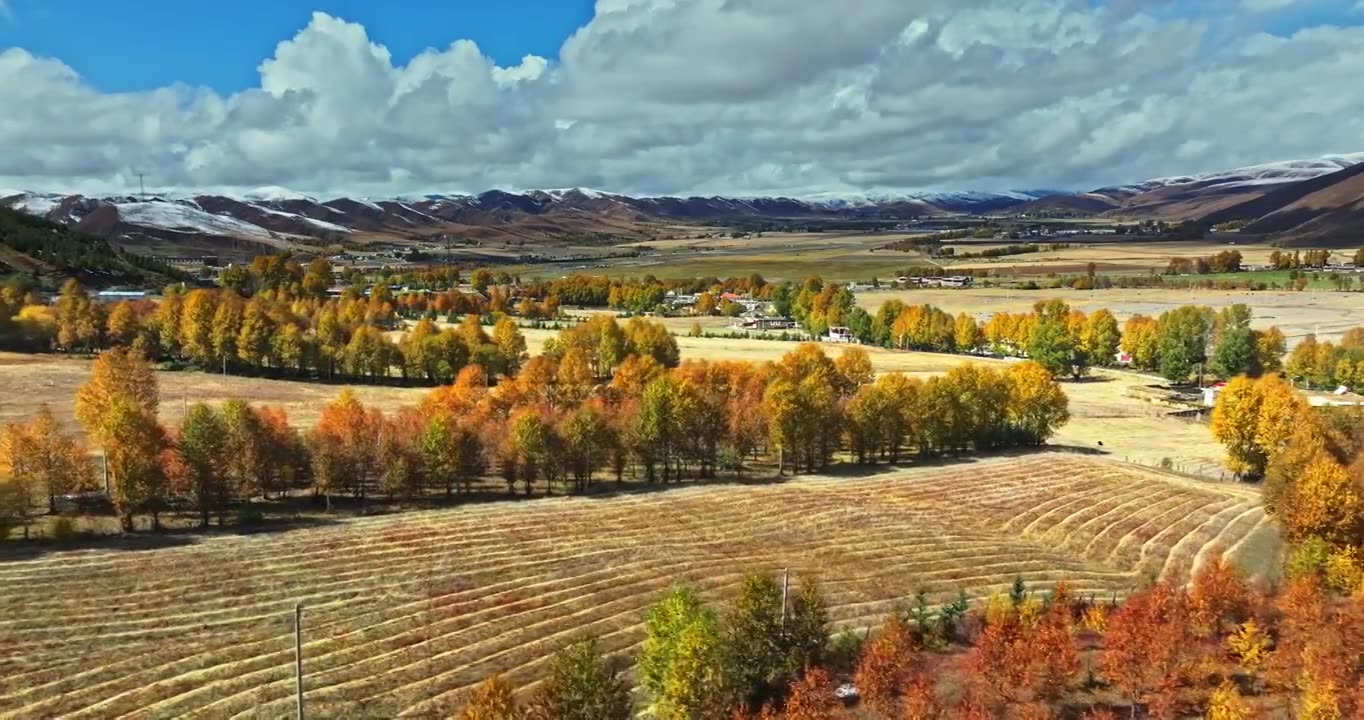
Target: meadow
x=403 y=614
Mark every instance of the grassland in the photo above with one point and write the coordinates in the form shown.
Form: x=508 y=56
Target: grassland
x=404 y=613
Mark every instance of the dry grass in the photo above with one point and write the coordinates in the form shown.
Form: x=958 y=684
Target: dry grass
x=406 y=612
x=31 y=381
x=1103 y=411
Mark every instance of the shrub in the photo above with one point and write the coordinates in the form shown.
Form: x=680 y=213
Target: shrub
x=1307 y=558
x=844 y=651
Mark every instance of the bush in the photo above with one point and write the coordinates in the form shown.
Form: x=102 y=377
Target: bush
x=1308 y=557
x=844 y=651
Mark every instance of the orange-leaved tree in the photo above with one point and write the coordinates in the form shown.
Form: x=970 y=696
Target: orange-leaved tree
x=886 y=666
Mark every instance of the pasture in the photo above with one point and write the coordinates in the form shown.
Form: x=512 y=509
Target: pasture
x=404 y=613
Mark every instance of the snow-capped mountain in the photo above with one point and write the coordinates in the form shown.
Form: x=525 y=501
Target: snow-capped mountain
x=272 y=217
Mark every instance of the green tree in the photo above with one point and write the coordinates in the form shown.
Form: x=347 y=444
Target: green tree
x=1100 y=338
x=680 y=666
x=1052 y=346
x=203 y=445
x=1183 y=340
x=807 y=627
x=582 y=685
x=1234 y=352
x=757 y=658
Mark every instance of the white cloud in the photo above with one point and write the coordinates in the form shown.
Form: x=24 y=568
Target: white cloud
x=720 y=96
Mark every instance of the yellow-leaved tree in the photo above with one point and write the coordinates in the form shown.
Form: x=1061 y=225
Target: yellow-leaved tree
x=1322 y=503
x=492 y=700
x=1235 y=424
x=1036 y=406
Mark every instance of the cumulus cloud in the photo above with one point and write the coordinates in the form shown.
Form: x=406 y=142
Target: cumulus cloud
x=789 y=97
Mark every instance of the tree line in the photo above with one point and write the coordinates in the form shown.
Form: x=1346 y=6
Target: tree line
x=1217 y=647
x=1309 y=459
x=604 y=401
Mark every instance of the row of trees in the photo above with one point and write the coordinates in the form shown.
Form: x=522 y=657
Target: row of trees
x=602 y=399
x=219 y=330
x=1283 y=260
x=1191 y=337
x=1323 y=364
x=1217 y=647
x=1226 y=261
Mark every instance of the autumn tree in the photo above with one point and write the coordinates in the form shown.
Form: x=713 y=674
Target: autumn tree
x=510 y=343
x=117 y=407
x=967 y=336
x=1100 y=337
x=79 y=318
x=196 y=326
x=1146 y=648
x=886 y=666
x=811 y=697
x=582 y=685
x=133 y=445
x=1037 y=406
x=344 y=446
x=44 y=459
x=1141 y=340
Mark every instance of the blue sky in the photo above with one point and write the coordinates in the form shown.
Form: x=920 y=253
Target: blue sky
x=734 y=97
x=143 y=44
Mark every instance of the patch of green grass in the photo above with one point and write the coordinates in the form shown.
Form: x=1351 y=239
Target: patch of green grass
x=1316 y=279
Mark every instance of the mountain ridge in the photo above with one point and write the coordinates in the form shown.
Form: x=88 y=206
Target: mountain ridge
x=270 y=218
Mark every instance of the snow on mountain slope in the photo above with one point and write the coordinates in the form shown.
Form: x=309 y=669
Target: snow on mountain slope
x=1274 y=173
x=32 y=203
x=275 y=193
x=185 y=218
x=321 y=224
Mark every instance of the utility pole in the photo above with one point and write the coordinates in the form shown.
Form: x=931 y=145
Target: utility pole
x=298 y=658
x=785 y=591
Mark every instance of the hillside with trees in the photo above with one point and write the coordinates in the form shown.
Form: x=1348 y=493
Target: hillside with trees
x=48 y=252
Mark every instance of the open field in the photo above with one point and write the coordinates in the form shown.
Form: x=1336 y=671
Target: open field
x=1103 y=410
x=775 y=256
x=404 y=613
x=854 y=256
x=31 y=381
x=1329 y=314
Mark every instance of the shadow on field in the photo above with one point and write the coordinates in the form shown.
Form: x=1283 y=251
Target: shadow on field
x=170 y=537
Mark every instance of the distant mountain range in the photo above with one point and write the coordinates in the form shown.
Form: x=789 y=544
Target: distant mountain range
x=1317 y=201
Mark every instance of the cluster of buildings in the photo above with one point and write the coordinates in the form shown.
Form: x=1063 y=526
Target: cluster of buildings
x=947 y=281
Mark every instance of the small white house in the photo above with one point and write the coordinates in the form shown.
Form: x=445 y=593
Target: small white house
x=840 y=335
